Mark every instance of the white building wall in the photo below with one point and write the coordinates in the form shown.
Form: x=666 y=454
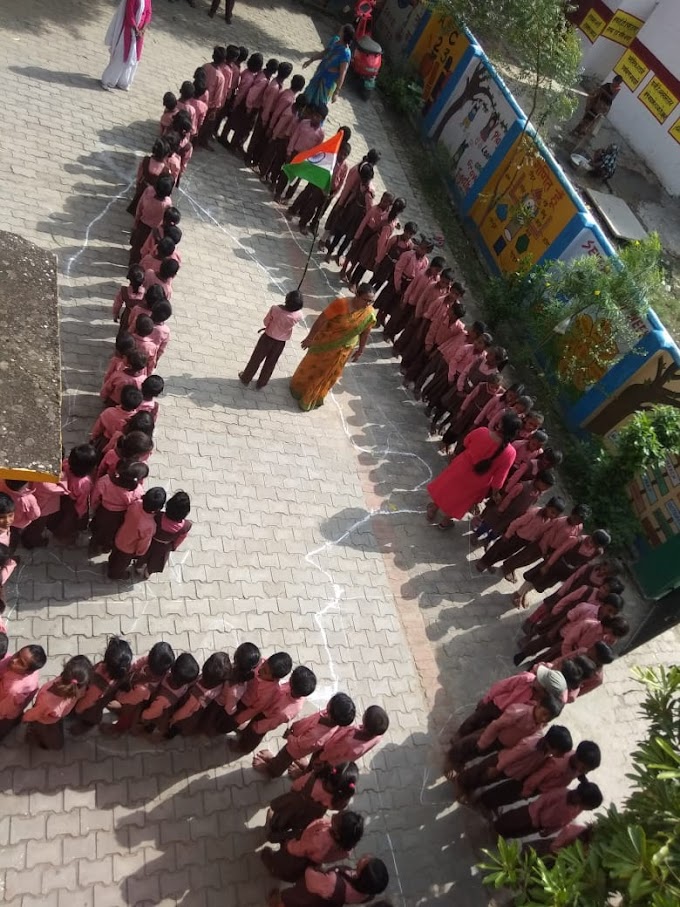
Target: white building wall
x=601 y=57
x=651 y=139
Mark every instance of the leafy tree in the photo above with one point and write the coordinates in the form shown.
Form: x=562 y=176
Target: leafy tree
x=633 y=854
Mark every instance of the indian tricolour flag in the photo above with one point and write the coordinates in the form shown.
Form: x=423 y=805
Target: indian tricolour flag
x=316 y=165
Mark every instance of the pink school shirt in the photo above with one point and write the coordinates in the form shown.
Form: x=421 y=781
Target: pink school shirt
x=317 y=844
x=143 y=684
x=419 y=286
x=307 y=735
x=519 y=688
x=373 y=220
x=568 y=601
x=114 y=386
x=582 y=544
x=149 y=262
x=323 y=883
x=347 y=746
x=200 y=106
x=493 y=409
x=5 y=573
x=79 y=488
x=230 y=695
x=256 y=91
x=132 y=295
x=584 y=611
x=338 y=178
x=150 y=210
x=136 y=531
x=409 y=267
x=113 y=497
x=304 y=136
x=480 y=365
x=519 y=761
x=557 y=773
x=458 y=363
x=135 y=312
x=116 y=363
x=582 y=635
x=318 y=793
x=49 y=708
x=270 y=96
x=215 y=83
x=150 y=406
x=151 y=243
x=561 y=532
x=516 y=723
x=244 y=85
x=282 y=711
x=175 y=527
x=451 y=347
x=197 y=699
x=285 y=123
x=161 y=337
x=188 y=108
x=550 y=811
x=530 y=526
x=283 y=102
x=147 y=346
x=16 y=691
x=25 y=504
x=279 y=323
x=151 y=279
x=105 y=683
x=165 y=699
x=49 y=495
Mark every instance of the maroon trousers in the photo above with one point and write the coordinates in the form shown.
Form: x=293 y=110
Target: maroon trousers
x=266 y=353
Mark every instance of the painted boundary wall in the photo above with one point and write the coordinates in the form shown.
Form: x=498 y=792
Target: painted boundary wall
x=519 y=206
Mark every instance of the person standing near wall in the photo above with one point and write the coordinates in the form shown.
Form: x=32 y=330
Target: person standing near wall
x=598 y=105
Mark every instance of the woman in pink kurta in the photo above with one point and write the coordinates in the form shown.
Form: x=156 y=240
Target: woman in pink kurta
x=125 y=40
x=483 y=465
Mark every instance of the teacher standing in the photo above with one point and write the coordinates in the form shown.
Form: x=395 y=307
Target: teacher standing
x=125 y=40
x=326 y=83
x=340 y=331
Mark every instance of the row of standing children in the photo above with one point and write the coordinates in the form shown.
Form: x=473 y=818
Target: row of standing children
x=161 y=696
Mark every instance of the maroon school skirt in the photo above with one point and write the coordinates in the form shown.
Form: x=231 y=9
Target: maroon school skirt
x=104 y=526
x=293 y=811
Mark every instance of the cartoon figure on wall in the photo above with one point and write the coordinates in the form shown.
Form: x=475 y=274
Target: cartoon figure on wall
x=438 y=51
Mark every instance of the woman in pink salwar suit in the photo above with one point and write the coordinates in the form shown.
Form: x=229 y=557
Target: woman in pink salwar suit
x=483 y=465
x=125 y=40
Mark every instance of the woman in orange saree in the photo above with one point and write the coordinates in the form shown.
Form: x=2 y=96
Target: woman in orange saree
x=342 y=327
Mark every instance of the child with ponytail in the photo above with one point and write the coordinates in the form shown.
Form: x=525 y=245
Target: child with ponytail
x=57 y=699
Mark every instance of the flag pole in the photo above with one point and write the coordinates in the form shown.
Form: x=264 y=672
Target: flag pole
x=311 y=249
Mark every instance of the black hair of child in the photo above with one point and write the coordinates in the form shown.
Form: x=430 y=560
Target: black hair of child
x=302 y=682
x=118 y=657
x=130 y=397
x=82 y=459
x=153 y=386
x=185 y=669
x=38 y=657
x=179 y=507
x=161 y=658
x=558 y=738
x=280 y=664
x=246 y=657
x=216 y=670
x=341 y=710
x=153 y=500
x=293 y=301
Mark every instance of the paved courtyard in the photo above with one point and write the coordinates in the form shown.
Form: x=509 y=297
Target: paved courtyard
x=309 y=532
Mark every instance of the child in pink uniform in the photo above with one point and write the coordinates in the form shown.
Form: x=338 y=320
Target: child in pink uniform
x=57 y=699
x=152 y=387
x=125 y=344
x=550 y=812
x=186 y=718
x=262 y=691
x=169 y=111
x=140 y=421
x=560 y=772
x=131 y=445
x=278 y=329
x=160 y=314
x=238 y=116
x=525 y=530
x=311 y=202
x=136 y=532
x=200 y=102
x=307 y=735
x=25 y=504
x=407 y=268
x=350 y=743
x=169 y=227
x=155 y=718
x=151 y=168
x=152 y=297
x=364 y=249
x=216 y=717
x=128 y=297
x=107 y=677
x=311 y=796
x=215 y=74
x=153 y=260
x=133 y=375
x=391 y=246
x=111 y=497
x=274 y=156
x=144 y=329
x=78 y=476
x=172 y=528
x=323 y=841
x=337 y=886
x=19 y=682
x=270 y=95
x=508 y=768
x=167 y=272
x=307 y=134
x=138 y=689
x=149 y=214
x=286 y=706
